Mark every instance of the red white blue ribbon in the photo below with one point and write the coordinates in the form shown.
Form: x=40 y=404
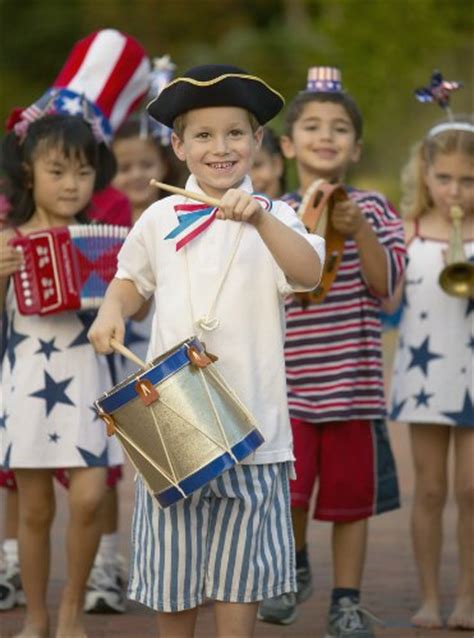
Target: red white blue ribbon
x=195 y=218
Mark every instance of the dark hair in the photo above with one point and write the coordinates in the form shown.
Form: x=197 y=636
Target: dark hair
x=296 y=106
x=271 y=144
x=144 y=127
x=70 y=133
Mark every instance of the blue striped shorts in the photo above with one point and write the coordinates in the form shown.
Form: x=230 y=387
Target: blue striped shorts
x=230 y=541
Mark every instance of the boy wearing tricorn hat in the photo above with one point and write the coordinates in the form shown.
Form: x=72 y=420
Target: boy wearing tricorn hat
x=231 y=541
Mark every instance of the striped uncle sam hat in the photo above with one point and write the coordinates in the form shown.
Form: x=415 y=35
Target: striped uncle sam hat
x=104 y=79
x=324 y=79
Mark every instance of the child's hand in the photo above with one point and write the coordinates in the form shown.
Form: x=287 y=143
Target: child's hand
x=240 y=207
x=109 y=323
x=11 y=259
x=347 y=218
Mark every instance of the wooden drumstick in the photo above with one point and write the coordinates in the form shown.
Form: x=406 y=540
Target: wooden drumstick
x=199 y=197
x=119 y=347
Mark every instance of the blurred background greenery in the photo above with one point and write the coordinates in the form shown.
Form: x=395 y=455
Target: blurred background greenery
x=385 y=48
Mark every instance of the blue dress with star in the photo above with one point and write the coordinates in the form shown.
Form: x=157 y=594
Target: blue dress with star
x=137 y=339
x=50 y=378
x=432 y=377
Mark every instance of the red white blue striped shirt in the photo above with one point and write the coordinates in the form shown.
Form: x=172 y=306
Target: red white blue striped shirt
x=333 y=350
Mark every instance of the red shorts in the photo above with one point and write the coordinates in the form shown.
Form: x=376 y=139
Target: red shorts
x=114 y=474
x=353 y=464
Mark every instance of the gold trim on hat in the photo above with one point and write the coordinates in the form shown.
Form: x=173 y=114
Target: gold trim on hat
x=220 y=78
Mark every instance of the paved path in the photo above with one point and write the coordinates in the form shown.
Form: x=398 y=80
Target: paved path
x=390 y=586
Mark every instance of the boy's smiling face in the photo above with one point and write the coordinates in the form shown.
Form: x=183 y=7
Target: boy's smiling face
x=218 y=146
x=323 y=141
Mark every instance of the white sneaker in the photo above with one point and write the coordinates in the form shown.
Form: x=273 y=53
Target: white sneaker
x=105 y=590
x=7 y=593
x=11 y=590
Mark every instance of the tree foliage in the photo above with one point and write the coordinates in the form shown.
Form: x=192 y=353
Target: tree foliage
x=385 y=49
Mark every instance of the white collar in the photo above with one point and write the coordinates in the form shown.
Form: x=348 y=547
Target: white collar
x=192 y=185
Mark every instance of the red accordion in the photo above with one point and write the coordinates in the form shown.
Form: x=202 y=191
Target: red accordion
x=66 y=268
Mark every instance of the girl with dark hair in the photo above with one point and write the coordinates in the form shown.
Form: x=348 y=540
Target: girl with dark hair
x=52 y=168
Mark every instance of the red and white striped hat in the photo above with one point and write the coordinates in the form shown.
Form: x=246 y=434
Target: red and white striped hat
x=104 y=79
x=111 y=69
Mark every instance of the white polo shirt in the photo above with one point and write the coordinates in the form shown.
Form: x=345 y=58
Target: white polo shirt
x=249 y=338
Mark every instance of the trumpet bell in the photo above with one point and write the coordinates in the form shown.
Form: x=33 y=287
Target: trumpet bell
x=457 y=279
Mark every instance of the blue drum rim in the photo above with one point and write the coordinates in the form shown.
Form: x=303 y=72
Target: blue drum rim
x=175 y=361
x=212 y=470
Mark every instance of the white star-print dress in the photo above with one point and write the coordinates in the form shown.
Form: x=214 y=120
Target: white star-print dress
x=432 y=377
x=137 y=339
x=50 y=378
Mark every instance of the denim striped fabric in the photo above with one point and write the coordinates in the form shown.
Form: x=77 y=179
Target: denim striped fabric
x=230 y=541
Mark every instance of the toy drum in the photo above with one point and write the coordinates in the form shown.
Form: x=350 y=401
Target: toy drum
x=179 y=422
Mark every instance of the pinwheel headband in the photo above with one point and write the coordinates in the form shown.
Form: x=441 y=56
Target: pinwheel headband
x=160 y=76
x=450 y=126
x=438 y=91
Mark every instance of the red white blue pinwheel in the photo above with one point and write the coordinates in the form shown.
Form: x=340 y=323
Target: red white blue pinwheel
x=438 y=91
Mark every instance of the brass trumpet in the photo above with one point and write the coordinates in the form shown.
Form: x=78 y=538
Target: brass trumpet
x=457 y=277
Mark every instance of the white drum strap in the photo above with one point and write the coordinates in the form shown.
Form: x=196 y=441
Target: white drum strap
x=208 y=322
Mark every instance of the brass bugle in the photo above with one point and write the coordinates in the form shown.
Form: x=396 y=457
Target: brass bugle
x=457 y=277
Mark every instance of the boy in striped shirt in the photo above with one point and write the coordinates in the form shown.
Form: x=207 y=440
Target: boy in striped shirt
x=334 y=360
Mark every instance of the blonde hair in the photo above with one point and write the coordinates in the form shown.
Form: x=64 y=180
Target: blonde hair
x=416 y=199
x=179 y=124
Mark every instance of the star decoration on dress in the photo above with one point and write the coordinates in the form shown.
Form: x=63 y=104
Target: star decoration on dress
x=464 y=416
x=470 y=307
x=94 y=410
x=131 y=338
x=47 y=348
x=92 y=460
x=86 y=319
x=14 y=340
x=53 y=437
x=422 y=356
x=54 y=392
x=422 y=398
x=423 y=315
x=470 y=343
x=3 y=420
x=404 y=300
x=414 y=282
x=5 y=465
x=396 y=409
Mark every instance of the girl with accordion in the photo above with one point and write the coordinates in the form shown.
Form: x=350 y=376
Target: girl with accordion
x=52 y=166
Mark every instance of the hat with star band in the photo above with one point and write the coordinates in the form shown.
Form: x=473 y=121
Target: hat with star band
x=324 y=79
x=212 y=85
x=104 y=78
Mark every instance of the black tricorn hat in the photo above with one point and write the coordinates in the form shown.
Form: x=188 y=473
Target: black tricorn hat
x=216 y=85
